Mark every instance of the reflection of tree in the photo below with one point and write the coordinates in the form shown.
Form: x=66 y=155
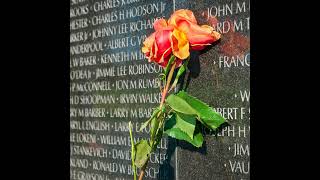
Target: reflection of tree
x=232 y=43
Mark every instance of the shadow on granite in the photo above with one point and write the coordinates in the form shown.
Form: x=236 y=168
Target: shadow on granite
x=194 y=66
x=166 y=170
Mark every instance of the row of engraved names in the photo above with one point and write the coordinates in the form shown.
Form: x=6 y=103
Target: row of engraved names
x=109 y=30
x=145 y=98
x=116 y=13
x=78 y=71
x=114 y=58
x=229 y=113
x=239 y=167
x=107 y=170
x=87 y=126
x=91 y=144
x=141 y=68
x=81 y=7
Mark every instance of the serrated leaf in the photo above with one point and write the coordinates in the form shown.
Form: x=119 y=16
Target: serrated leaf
x=177 y=133
x=142 y=151
x=185 y=123
x=203 y=111
x=154 y=114
x=179 y=105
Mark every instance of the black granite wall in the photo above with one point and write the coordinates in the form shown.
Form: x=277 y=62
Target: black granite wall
x=112 y=83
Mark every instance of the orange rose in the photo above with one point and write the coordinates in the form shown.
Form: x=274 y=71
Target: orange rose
x=198 y=36
x=166 y=40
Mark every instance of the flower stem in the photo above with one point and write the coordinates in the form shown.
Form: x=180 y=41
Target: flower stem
x=142 y=170
x=165 y=91
x=164 y=94
x=132 y=150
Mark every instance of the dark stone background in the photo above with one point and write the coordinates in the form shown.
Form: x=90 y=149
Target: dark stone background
x=217 y=87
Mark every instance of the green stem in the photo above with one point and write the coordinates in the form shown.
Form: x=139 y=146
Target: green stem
x=164 y=94
x=166 y=88
x=132 y=153
x=181 y=70
x=159 y=127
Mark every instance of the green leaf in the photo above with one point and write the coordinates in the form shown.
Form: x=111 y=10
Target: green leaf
x=182 y=69
x=154 y=114
x=154 y=127
x=180 y=105
x=185 y=123
x=145 y=124
x=203 y=111
x=166 y=70
x=157 y=139
x=142 y=150
x=173 y=131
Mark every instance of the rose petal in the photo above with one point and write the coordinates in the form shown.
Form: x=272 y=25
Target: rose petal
x=180 y=44
x=183 y=14
x=160 y=24
x=177 y=61
x=198 y=35
x=148 y=42
x=162 y=39
x=165 y=56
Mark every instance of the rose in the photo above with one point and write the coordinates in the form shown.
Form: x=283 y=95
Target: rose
x=177 y=36
x=164 y=41
x=198 y=36
x=174 y=37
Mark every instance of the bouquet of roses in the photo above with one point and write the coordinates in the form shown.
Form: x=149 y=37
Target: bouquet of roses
x=179 y=115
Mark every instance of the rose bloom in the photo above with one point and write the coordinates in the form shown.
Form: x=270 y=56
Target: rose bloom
x=164 y=41
x=176 y=37
x=198 y=36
